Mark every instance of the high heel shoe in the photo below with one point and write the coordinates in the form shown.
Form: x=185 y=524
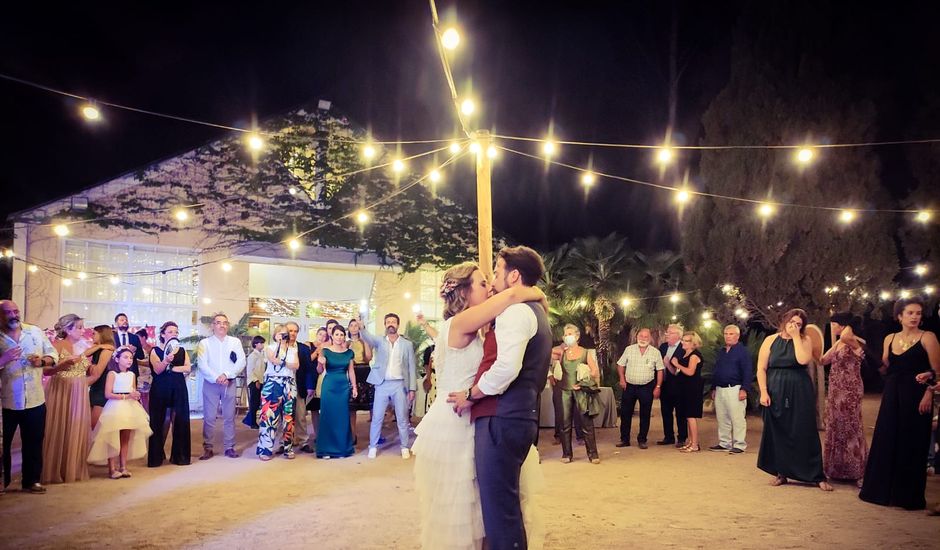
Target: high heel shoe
x=690 y=449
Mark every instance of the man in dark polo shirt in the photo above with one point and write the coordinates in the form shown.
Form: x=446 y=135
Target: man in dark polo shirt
x=731 y=380
x=506 y=392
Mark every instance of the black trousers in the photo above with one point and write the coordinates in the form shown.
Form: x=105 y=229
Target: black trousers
x=501 y=446
x=169 y=405
x=32 y=425
x=634 y=393
x=254 y=403
x=669 y=397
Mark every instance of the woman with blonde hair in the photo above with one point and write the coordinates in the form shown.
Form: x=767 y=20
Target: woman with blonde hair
x=445 y=474
x=691 y=386
x=579 y=379
x=68 y=409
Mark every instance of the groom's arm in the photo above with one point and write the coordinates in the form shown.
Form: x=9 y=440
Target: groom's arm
x=514 y=328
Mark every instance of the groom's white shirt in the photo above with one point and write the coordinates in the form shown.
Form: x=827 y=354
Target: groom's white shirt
x=515 y=326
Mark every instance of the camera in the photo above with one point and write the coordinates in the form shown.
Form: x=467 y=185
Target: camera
x=285 y=336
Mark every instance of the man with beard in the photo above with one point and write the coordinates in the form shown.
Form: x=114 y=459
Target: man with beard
x=393 y=375
x=25 y=355
x=123 y=337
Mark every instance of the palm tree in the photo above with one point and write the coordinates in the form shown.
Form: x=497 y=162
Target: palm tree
x=602 y=268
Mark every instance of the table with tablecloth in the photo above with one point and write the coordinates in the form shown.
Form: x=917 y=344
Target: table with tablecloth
x=606 y=419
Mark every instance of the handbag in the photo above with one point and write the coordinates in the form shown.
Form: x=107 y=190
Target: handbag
x=557 y=373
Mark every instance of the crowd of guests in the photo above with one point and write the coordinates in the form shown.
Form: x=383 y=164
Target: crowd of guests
x=117 y=398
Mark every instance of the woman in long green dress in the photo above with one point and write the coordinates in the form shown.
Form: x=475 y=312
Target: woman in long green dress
x=789 y=447
x=334 y=437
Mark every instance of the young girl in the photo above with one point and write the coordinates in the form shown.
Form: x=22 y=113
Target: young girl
x=124 y=426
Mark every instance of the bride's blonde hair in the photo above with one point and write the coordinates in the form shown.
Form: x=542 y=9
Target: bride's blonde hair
x=455 y=286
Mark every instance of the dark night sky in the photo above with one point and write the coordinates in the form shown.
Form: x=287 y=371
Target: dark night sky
x=596 y=71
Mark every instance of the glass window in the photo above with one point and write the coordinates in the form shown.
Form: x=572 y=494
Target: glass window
x=148 y=300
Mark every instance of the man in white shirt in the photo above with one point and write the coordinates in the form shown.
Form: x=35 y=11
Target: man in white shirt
x=640 y=367
x=221 y=359
x=25 y=355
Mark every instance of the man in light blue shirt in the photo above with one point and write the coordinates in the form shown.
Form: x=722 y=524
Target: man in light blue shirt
x=394 y=378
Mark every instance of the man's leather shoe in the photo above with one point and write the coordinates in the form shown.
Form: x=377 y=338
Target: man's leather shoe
x=307 y=449
x=207 y=454
x=36 y=489
x=231 y=453
x=666 y=442
x=642 y=444
x=623 y=444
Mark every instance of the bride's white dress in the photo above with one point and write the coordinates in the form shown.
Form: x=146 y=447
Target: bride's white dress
x=445 y=475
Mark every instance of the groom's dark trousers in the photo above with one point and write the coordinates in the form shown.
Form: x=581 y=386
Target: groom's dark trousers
x=501 y=446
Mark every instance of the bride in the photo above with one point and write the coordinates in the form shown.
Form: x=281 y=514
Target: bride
x=445 y=474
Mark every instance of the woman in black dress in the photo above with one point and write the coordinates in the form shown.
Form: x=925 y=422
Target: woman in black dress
x=789 y=446
x=169 y=399
x=895 y=474
x=691 y=385
x=100 y=354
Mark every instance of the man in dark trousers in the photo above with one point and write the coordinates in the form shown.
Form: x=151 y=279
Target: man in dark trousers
x=506 y=394
x=669 y=396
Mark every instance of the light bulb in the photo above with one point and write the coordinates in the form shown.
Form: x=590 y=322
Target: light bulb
x=885 y=295
x=398 y=166
x=207 y=300
x=474 y=148
x=82 y=275
x=904 y=294
x=727 y=288
x=626 y=302
x=226 y=266
x=454 y=148
x=407 y=295
x=292 y=190
x=920 y=270
x=293 y=244
x=368 y=152
x=362 y=216
x=804 y=155
x=491 y=151
x=706 y=315
x=682 y=196
x=416 y=308
x=664 y=155
x=90 y=112
x=255 y=142
x=674 y=298
x=66 y=282
x=61 y=230
x=588 y=179
x=33 y=268
x=181 y=215
x=928 y=290
x=765 y=210
x=923 y=216
x=468 y=107
x=549 y=148
x=8 y=253
x=434 y=176
x=847 y=216
x=450 y=39
x=114 y=279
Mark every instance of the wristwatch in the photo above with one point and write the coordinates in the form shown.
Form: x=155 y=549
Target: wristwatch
x=469 y=396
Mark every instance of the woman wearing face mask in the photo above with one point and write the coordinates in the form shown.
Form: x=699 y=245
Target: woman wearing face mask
x=789 y=446
x=68 y=409
x=578 y=389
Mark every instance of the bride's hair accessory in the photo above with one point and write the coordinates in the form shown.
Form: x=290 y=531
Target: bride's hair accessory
x=448 y=286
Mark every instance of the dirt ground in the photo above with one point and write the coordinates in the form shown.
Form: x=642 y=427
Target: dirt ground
x=655 y=498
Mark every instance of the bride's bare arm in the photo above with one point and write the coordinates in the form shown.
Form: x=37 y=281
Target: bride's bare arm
x=474 y=318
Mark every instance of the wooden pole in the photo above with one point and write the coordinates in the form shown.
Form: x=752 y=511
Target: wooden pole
x=484 y=204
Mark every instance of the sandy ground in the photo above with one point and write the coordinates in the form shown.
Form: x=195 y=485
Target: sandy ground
x=653 y=498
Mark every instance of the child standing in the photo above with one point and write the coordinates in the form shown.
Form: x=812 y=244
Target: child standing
x=124 y=426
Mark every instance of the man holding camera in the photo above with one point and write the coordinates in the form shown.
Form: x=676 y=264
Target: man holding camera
x=221 y=359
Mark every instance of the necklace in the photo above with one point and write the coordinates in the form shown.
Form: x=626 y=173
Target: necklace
x=906 y=344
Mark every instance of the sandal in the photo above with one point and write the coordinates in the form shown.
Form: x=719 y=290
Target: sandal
x=825 y=486
x=778 y=481
x=684 y=447
x=116 y=474
x=125 y=473
x=690 y=449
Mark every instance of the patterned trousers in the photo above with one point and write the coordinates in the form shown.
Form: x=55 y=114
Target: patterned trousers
x=277 y=407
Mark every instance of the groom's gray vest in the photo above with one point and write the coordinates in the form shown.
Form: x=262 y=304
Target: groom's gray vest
x=520 y=400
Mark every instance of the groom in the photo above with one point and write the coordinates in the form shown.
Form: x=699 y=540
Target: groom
x=505 y=395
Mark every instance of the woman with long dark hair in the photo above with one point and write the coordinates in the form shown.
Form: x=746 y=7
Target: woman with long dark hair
x=895 y=474
x=169 y=399
x=846 y=448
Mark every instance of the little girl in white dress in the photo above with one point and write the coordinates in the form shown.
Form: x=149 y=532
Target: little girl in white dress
x=124 y=426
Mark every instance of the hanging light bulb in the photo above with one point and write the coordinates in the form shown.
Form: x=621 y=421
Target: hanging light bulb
x=114 y=279
x=255 y=142
x=292 y=190
x=923 y=216
x=8 y=253
x=708 y=323
x=475 y=148
x=582 y=303
x=765 y=210
x=468 y=107
x=82 y=275
x=682 y=196
x=674 y=298
x=181 y=215
x=588 y=179
x=454 y=148
x=66 y=282
x=207 y=300
x=450 y=39
x=91 y=112
x=362 y=216
x=929 y=289
x=61 y=230
x=226 y=267
x=706 y=315
x=664 y=155
x=33 y=268
x=727 y=288
x=398 y=166
x=920 y=270
x=904 y=294
x=491 y=151
x=407 y=295
x=885 y=295
x=626 y=302
x=549 y=148
x=846 y=216
x=293 y=244
x=434 y=176
x=368 y=152
x=804 y=155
